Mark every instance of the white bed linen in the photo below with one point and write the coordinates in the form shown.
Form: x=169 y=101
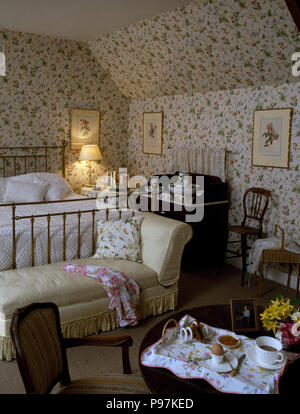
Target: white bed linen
x=23 y=233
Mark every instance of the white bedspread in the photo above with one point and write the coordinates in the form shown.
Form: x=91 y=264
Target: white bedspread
x=23 y=232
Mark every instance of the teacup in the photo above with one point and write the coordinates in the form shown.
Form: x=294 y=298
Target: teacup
x=268 y=350
x=186 y=334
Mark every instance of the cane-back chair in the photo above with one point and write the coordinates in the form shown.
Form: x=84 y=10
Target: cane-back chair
x=255 y=203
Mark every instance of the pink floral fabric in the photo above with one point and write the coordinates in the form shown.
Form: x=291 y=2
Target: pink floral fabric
x=122 y=290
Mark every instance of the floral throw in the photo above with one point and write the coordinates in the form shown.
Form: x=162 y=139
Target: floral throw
x=119 y=239
x=122 y=290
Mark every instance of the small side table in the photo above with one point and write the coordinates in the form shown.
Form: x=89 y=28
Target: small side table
x=89 y=192
x=279 y=256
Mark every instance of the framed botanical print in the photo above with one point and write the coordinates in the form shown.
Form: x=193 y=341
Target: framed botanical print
x=271 y=137
x=84 y=127
x=152 y=132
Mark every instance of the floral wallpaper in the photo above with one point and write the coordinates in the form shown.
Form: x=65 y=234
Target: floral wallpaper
x=207 y=45
x=223 y=119
x=46 y=78
x=206 y=65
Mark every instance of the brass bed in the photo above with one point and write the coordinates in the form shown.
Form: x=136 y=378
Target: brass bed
x=15 y=161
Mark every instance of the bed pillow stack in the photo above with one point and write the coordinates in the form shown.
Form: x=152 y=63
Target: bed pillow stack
x=58 y=187
x=33 y=187
x=19 y=192
x=119 y=239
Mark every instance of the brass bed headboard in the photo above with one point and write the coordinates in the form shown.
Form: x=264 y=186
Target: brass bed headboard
x=12 y=155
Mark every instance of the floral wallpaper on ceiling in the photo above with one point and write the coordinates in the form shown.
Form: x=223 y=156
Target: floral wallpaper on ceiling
x=224 y=119
x=206 y=45
x=46 y=77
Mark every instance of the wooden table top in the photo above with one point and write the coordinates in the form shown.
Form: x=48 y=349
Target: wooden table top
x=163 y=381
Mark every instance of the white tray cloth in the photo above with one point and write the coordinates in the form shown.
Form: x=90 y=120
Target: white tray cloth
x=184 y=360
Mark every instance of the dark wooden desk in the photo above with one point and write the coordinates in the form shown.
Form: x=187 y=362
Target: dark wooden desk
x=209 y=240
x=163 y=381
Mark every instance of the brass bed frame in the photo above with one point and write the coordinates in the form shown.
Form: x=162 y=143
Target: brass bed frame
x=48 y=216
x=19 y=153
x=38 y=153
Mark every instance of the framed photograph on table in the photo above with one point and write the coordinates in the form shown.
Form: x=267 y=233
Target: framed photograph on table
x=244 y=315
x=152 y=132
x=271 y=137
x=84 y=127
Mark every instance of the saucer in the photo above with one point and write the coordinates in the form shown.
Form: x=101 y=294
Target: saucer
x=251 y=355
x=224 y=366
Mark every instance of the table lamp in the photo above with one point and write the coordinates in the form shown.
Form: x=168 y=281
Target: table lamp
x=90 y=153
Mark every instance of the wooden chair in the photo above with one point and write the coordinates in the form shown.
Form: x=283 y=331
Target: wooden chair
x=42 y=360
x=255 y=203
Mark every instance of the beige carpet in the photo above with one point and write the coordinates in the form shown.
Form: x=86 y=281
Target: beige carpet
x=197 y=289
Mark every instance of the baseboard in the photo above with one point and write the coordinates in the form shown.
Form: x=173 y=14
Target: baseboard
x=270 y=273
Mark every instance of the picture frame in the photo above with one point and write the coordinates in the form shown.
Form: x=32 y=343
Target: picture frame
x=271 y=137
x=85 y=126
x=152 y=132
x=244 y=316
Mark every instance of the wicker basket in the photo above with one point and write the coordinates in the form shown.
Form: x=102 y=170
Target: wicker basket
x=167 y=323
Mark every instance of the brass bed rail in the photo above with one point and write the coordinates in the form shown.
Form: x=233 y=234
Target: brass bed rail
x=30 y=153
x=48 y=217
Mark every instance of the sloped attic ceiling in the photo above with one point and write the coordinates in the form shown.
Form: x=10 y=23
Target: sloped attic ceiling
x=206 y=45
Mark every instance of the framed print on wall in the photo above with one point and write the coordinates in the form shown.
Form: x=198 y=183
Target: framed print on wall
x=271 y=137
x=84 y=127
x=152 y=132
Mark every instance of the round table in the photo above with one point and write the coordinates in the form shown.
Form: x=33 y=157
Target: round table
x=163 y=381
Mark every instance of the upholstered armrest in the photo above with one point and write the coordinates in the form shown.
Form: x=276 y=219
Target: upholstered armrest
x=163 y=241
x=124 y=341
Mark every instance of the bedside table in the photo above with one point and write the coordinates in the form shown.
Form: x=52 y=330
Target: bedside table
x=90 y=192
x=105 y=198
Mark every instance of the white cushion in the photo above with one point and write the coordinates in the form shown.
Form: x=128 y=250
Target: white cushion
x=56 y=191
x=58 y=186
x=22 y=192
x=119 y=239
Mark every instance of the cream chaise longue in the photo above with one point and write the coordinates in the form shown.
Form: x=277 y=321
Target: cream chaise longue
x=82 y=301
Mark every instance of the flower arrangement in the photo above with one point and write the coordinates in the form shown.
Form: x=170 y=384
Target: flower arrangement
x=283 y=318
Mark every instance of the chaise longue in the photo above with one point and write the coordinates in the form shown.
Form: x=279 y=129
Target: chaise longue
x=83 y=303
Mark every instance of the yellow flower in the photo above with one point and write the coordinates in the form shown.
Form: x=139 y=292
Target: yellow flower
x=278 y=311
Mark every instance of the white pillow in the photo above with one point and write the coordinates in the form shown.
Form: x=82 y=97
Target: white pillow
x=56 y=191
x=22 y=192
x=58 y=186
x=119 y=239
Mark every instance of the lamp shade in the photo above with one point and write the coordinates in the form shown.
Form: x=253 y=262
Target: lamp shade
x=90 y=153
